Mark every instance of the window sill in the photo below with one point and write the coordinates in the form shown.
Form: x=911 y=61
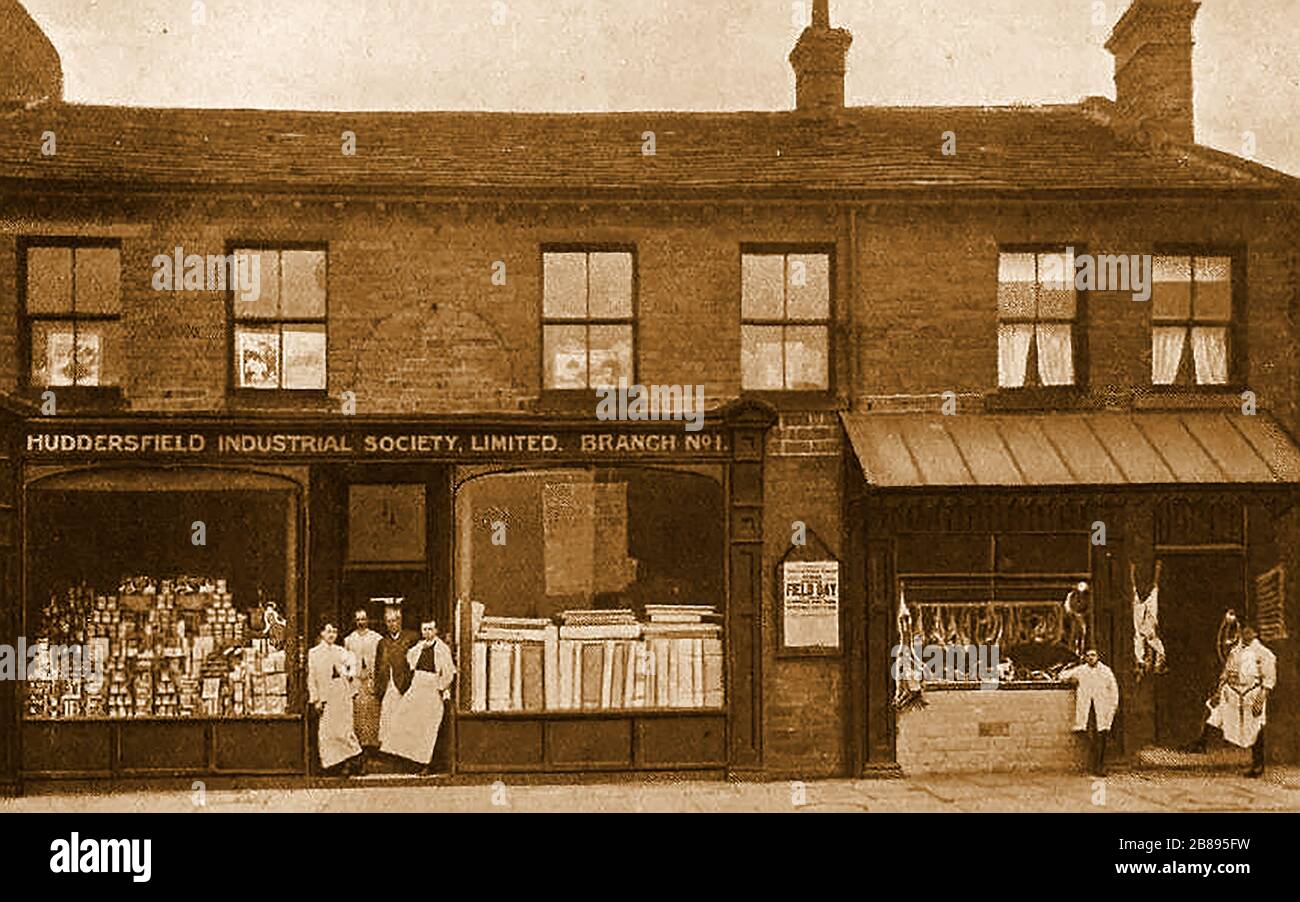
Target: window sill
x=77 y=399
x=575 y=402
x=252 y=400
x=1067 y=396
x=1188 y=397
x=797 y=400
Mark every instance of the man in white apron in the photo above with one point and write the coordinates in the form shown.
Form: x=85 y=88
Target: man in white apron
x=1240 y=706
x=392 y=672
x=413 y=730
x=1095 y=700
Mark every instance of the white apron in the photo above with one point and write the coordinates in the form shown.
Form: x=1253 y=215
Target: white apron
x=1246 y=674
x=1096 y=690
x=387 y=708
x=412 y=727
x=335 y=737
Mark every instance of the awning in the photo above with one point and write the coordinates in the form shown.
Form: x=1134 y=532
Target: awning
x=1074 y=449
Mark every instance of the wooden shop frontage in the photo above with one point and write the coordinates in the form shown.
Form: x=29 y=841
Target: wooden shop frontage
x=598 y=584
x=973 y=532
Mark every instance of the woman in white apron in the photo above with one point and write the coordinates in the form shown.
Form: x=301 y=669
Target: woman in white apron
x=414 y=731
x=330 y=688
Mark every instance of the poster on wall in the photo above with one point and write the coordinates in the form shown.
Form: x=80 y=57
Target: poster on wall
x=811 y=609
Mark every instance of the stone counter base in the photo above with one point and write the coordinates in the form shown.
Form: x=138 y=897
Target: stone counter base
x=991 y=731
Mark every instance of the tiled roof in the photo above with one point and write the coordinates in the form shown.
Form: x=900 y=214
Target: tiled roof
x=863 y=151
x=1062 y=449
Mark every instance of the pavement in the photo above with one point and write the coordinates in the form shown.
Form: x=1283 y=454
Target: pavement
x=1130 y=791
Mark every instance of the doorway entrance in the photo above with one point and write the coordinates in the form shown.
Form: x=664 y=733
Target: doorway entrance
x=1198 y=587
x=382 y=532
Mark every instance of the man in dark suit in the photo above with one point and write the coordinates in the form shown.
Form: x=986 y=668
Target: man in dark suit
x=392 y=670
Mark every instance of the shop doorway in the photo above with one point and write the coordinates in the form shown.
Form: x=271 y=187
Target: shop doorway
x=382 y=532
x=1197 y=589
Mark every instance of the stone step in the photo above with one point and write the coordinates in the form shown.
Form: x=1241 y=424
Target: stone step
x=1216 y=757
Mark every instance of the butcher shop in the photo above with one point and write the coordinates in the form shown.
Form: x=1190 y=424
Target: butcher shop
x=999 y=548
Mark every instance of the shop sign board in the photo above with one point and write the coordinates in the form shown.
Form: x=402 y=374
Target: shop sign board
x=390 y=444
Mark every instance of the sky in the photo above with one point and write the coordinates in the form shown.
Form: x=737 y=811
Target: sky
x=580 y=55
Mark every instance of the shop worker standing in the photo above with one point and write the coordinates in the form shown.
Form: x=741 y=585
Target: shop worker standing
x=330 y=689
x=1095 y=700
x=1240 y=706
x=392 y=672
x=413 y=734
x=363 y=642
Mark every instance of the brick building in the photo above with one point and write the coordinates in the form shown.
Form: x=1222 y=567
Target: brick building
x=898 y=383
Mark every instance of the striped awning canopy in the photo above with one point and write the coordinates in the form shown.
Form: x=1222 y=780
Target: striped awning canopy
x=1072 y=449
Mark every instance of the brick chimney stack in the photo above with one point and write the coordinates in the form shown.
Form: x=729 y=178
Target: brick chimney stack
x=818 y=61
x=1152 y=46
x=32 y=71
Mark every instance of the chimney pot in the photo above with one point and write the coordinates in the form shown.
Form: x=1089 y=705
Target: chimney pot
x=818 y=62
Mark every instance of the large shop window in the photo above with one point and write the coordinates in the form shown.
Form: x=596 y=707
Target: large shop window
x=1002 y=596
x=590 y=590
x=1037 y=313
x=73 y=305
x=157 y=595
x=279 y=319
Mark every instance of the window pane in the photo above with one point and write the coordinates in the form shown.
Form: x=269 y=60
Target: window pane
x=611 y=286
x=809 y=289
x=1056 y=299
x=1210 y=351
x=98 y=280
x=761 y=290
x=1016 y=286
x=1171 y=293
x=566 y=356
x=1056 y=353
x=761 y=358
x=565 y=289
x=304 y=286
x=262 y=300
x=805 y=358
x=304 y=358
x=61 y=362
x=101 y=356
x=1213 y=288
x=49 y=280
x=257 y=358
x=47 y=369
x=611 y=355
x=1167 y=343
x=1013 y=354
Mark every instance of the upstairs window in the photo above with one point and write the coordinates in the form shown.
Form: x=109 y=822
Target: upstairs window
x=587 y=319
x=1191 y=304
x=72 y=310
x=785 y=321
x=279 y=323
x=1037 y=315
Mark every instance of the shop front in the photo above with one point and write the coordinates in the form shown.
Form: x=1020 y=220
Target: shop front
x=597 y=584
x=1002 y=547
